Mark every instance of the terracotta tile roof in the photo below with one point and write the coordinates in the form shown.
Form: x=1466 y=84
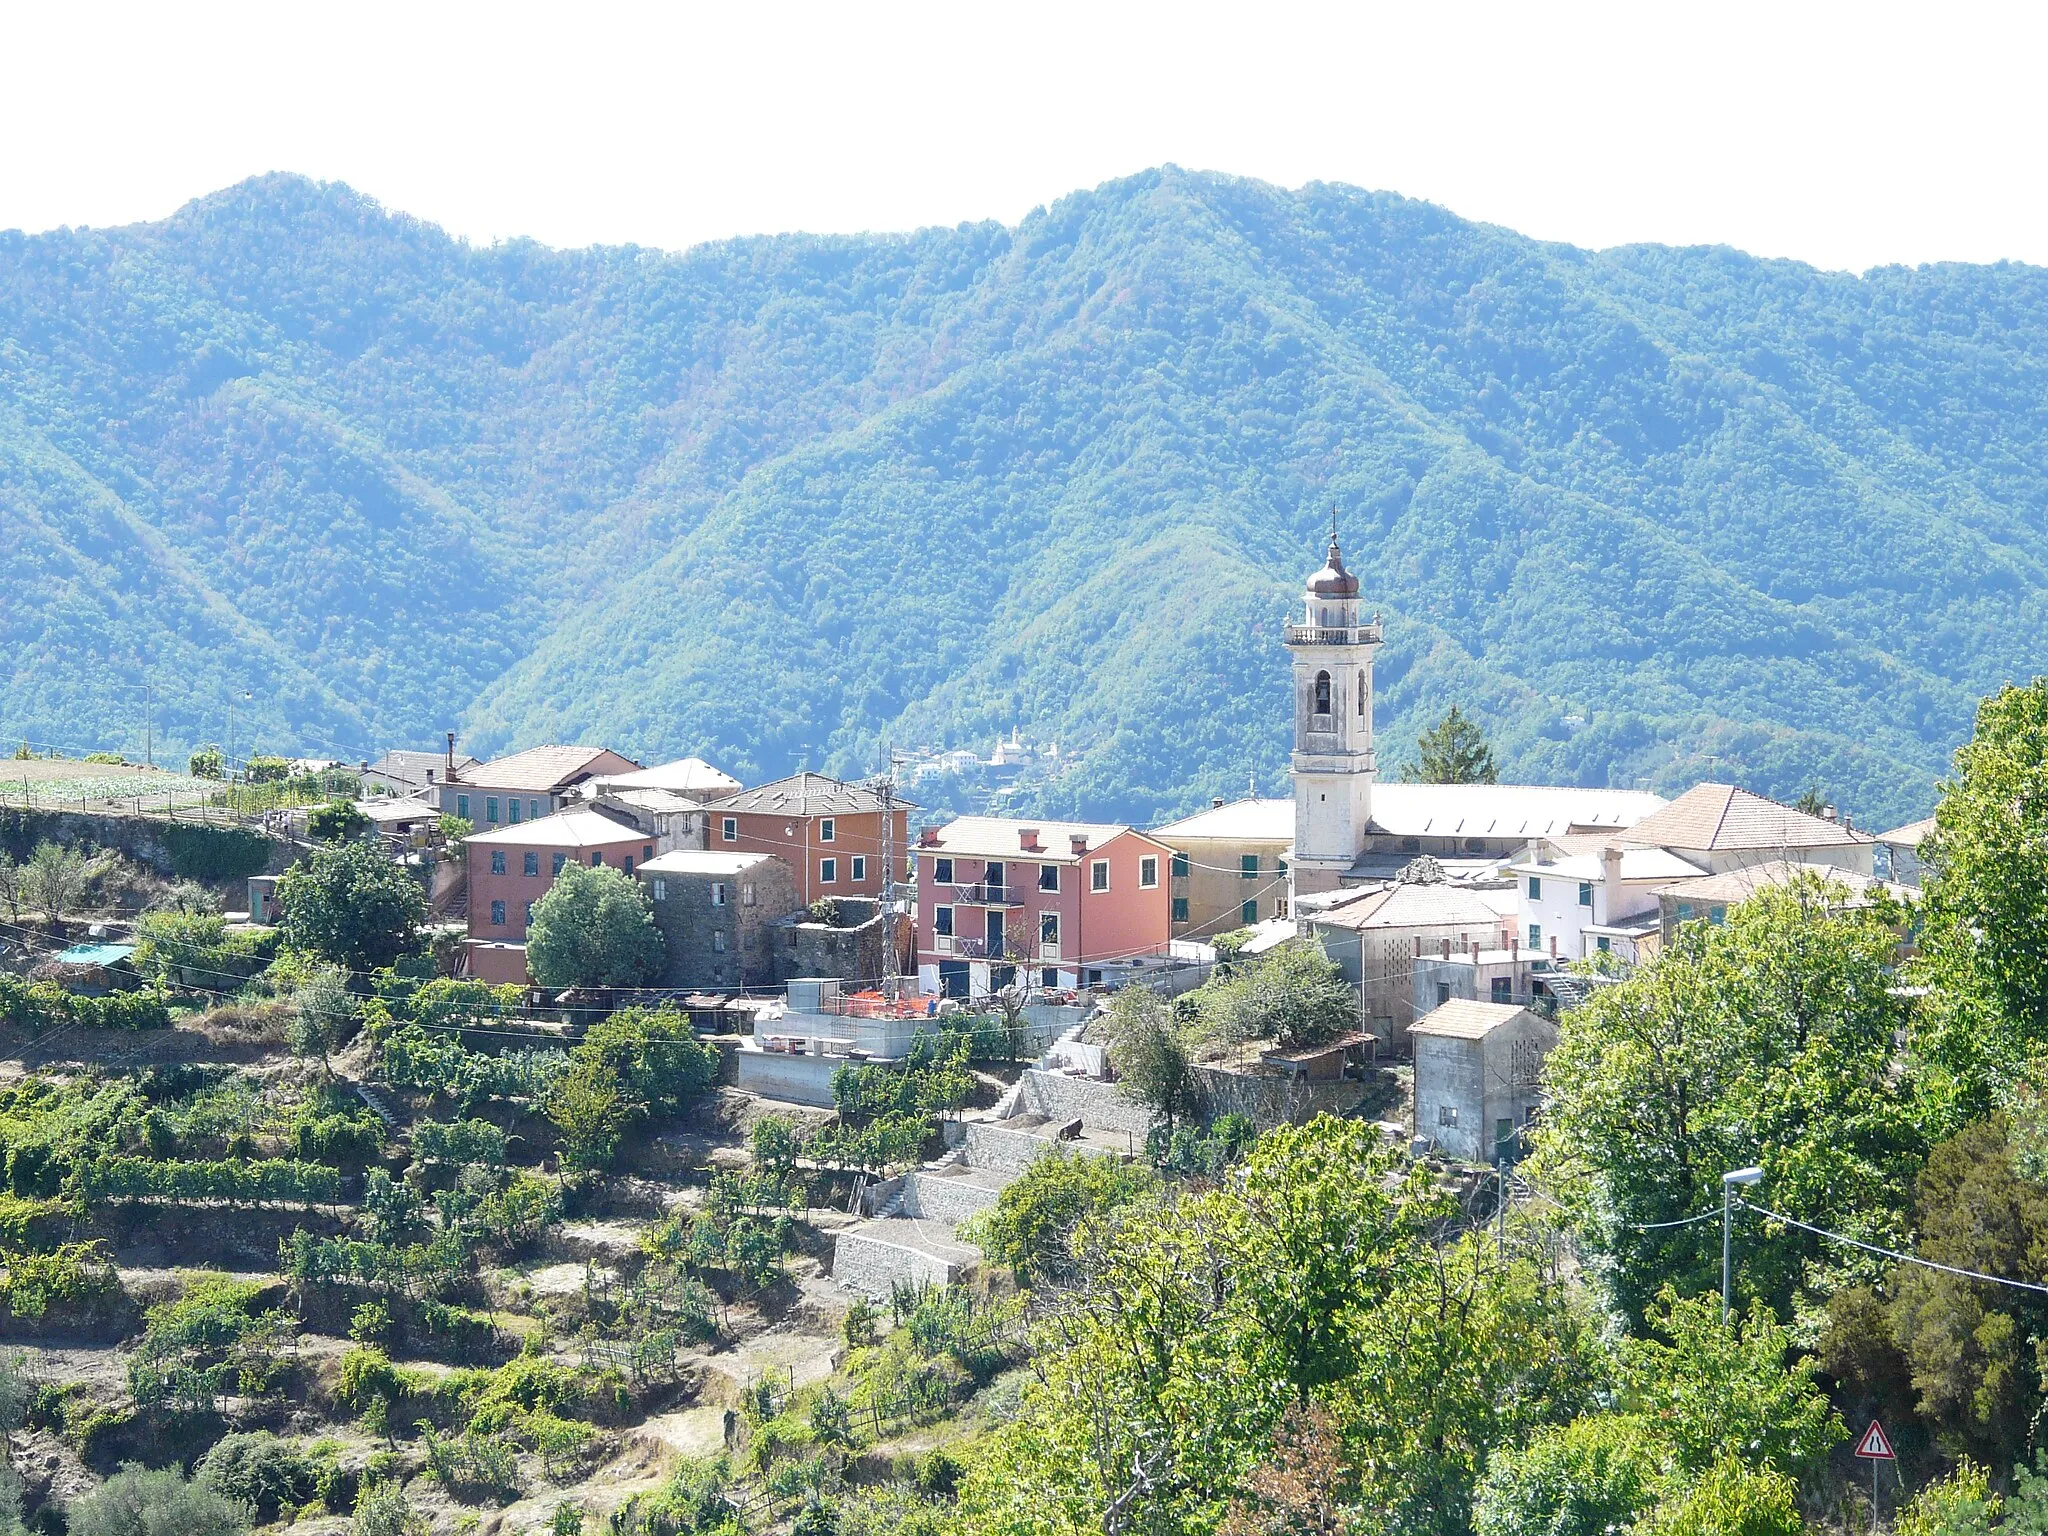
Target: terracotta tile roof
x=1911 y=835
x=808 y=794
x=564 y=829
x=538 y=768
x=1415 y=906
x=1463 y=1018
x=1000 y=837
x=1722 y=817
x=1738 y=885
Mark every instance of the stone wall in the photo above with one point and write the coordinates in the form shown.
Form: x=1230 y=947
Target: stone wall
x=1001 y=1151
x=1275 y=1100
x=176 y=850
x=852 y=951
x=1096 y=1104
x=692 y=928
x=932 y=1197
x=871 y=1264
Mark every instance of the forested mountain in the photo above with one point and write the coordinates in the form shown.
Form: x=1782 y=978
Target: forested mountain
x=1651 y=514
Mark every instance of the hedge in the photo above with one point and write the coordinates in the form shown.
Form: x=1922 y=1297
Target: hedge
x=278 y=1179
x=201 y=852
x=40 y=1005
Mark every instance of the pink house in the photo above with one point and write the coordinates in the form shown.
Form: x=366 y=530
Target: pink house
x=1046 y=903
x=512 y=868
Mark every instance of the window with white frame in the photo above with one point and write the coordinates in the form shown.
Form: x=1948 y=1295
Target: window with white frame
x=718 y=893
x=860 y=867
x=1048 y=877
x=828 y=829
x=1447 y=1114
x=729 y=829
x=718 y=940
x=1098 y=875
x=942 y=922
x=747 y=894
x=828 y=871
x=661 y=890
x=1148 y=872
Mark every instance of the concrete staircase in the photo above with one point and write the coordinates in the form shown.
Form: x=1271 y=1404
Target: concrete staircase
x=378 y=1102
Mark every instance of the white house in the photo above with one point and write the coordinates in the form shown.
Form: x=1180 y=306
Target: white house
x=1569 y=905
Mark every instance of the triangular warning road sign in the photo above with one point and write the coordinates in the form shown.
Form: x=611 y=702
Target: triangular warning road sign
x=1873 y=1446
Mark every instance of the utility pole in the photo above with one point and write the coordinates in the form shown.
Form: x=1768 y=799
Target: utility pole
x=1729 y=1180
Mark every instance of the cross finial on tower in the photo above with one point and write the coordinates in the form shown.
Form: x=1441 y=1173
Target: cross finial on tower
x=1333 y=525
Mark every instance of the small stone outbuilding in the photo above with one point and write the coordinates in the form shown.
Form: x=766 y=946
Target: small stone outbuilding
x=716 y=912
x=1479 y=1077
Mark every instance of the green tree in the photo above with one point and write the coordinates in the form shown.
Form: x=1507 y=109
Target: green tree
x=1149 y=1051
x=1590 y=1477
x=352 y=906
x=1767 y=1040
x=137 y=1501
x=1292 y=994
x=268 y=770
x=1986 y=908
x=1031 y=1227
x=56 y=878
x=384 y=1510
x=593 y=928
x=1733 y=1499
x=589 y=1107
x=1961 y=1504
x=338 y=821
x=323 y=1015
x=207 y=763
x=1453 y=751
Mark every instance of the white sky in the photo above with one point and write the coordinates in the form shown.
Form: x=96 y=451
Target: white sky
x=1846 y=135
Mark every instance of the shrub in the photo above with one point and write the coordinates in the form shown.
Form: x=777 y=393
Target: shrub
x=335 y=822
x=384 y=1510
x=260 y=1471
x=1031 y=1225
x=194 y=949
x=139 y=1502
x=78 y=1279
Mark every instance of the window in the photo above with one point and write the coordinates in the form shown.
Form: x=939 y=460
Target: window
x=1048 y=877
x=860 y=868
x=718 y=893
x=747 y=894
x=718 y=940
x=1685 y=911
x=828 y=871
x=1447 y=1114
x=1717 y=914
x=1148 y=872
x=533 y=810
x=491 y=809
x=729 y=829
x=660 y=890
x=1098 y=875
x=1249 y=912
x=942 y=871
x=529 y=914
x=497 y=914
x=1092 y=978
x=996 y=877
x=1443 y=993
x=462 y=806
x=596 y=857
x=1048 y=927
x=1180 y=866
x=1535 y=889
x=512 y=812
x=1503 y=989
x=1279 y=906
x=1361 y=695
x=1248 y=866
x=1280 y=866
x=627 y=864
x=646 y=852
x=1601 y=944
x=1180 y=909
x=529 y=865
x=828 y=829
x=1535 y=935
x=1049 y=978
x=497 y=861
x=560 y=860
x=1585 y=893
x=942 y=922
x=1322 y=693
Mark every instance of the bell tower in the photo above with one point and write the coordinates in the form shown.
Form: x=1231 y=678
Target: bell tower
x=1333 y=757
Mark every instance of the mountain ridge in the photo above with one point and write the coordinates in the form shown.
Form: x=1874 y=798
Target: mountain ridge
x=1653 y=513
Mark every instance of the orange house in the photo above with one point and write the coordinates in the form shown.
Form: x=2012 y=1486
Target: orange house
x=830 y=832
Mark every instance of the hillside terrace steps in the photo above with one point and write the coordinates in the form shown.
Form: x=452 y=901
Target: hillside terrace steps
x=378 y=1102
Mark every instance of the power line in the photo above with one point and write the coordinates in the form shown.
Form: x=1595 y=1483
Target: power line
x=1892 y=1253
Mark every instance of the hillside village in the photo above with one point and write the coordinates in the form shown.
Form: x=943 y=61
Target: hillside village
x=561 y=1143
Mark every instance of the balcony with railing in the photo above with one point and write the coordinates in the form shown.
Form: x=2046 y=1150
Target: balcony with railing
x=984 y=894
x=961 y=947
x=1316 y=634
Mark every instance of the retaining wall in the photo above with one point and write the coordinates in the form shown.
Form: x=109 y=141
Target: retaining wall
x=1095 y=1104
x=1275 y=1100
x=799 y=1079
x=932 y=1197
x=176 y=850
x=872 y=1264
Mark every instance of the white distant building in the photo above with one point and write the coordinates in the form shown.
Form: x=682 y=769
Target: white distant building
x=1569 y=905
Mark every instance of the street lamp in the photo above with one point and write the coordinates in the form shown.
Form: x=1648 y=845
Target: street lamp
x=1744 y=1177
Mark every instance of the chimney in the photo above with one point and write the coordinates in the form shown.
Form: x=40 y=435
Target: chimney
x=1610 y=880
x=1828 y=813
x=1418 y=946
x=448 y=775
x=1553 y=946
x=1515 y=949
x=1447 y=949
x=1027 y=839
x=1215 y=802
x=1077 y=842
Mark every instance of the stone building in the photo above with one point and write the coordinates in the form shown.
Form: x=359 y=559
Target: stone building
x=717 y=913
x=1378 y=938
x=1479 y=1077
x=851 y=948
